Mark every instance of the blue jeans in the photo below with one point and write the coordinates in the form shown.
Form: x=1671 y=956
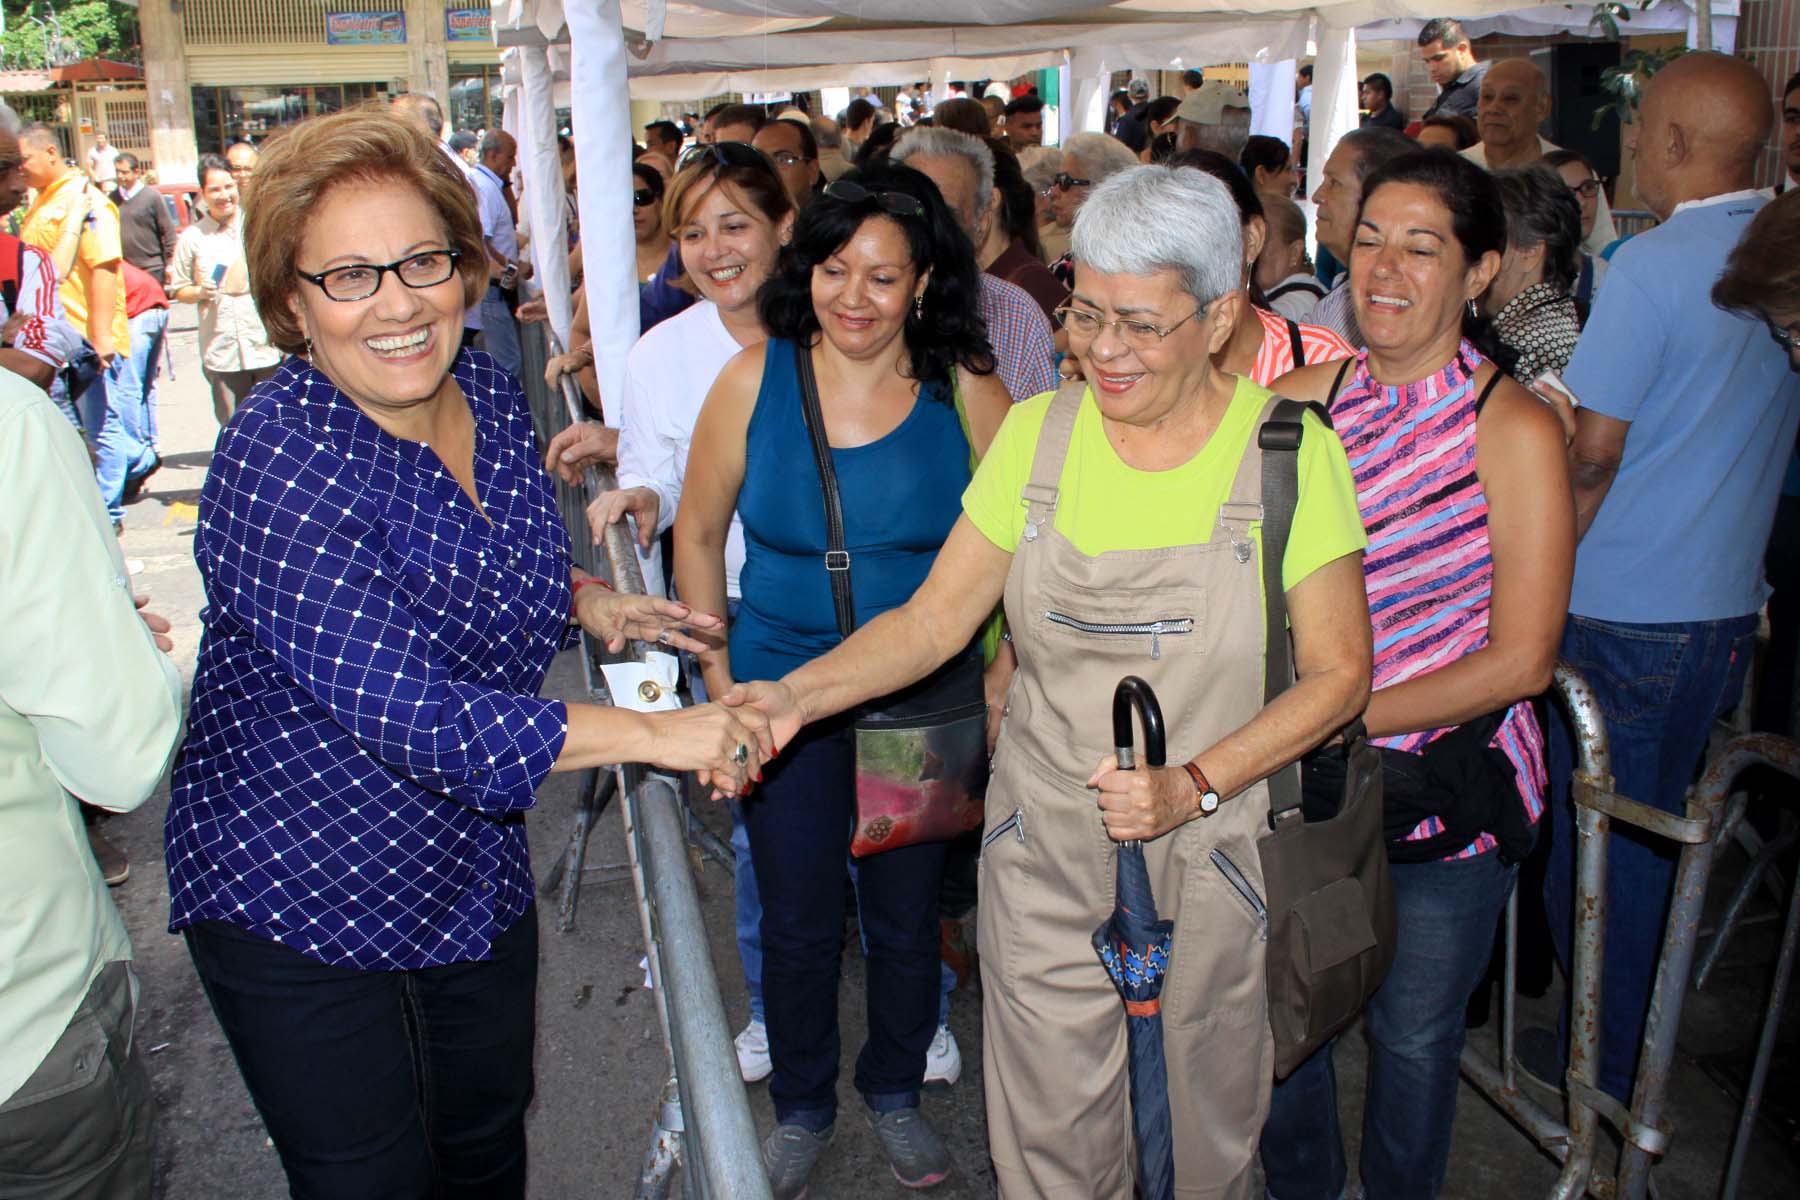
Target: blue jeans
x=87 y=396
x=499 y=335
x=382 y=1083
x=799 y=822
x=1660 y=688
x=136 y=401
x=1445 y=913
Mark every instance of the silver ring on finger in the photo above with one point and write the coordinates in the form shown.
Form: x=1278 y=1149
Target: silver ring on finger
x=741 y=755
x=663 y=637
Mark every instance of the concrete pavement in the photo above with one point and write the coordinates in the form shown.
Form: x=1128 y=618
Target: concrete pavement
x=600 y=1061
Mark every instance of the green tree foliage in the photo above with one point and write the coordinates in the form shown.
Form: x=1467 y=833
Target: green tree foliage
x=40 y=33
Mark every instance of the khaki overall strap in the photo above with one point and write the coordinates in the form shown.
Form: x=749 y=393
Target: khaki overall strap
x=1040 y=492
x=1243 y=508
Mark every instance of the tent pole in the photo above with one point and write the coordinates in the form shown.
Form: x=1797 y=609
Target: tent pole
x=1334 y=111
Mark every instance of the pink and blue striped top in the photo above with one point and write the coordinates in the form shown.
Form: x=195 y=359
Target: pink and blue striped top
x=1428 y=568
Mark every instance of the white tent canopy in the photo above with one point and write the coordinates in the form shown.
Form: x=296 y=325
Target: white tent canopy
x=688 y=48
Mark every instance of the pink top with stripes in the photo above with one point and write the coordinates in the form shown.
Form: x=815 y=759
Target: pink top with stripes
x=1428 y=567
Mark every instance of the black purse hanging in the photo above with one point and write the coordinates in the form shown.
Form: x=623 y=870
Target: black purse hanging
x=921 y=753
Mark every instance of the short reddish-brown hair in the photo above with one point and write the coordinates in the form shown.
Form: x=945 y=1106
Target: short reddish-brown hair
x=300 y=167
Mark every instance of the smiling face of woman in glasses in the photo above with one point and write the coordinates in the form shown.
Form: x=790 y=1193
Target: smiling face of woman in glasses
x=392 y=350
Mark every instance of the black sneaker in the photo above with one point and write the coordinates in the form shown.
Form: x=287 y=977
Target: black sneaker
x=788 y=1155
x=914 y=1149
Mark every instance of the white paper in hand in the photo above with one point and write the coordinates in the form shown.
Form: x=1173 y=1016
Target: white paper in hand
x=648 y=686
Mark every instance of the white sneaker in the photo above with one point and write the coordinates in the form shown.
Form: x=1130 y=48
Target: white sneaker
x=943 y=1060
x=753 y=1052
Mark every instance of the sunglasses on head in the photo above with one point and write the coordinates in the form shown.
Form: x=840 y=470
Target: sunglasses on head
x=643 y=197
x=898 y=203
x=726 y=154
x=1069 y=183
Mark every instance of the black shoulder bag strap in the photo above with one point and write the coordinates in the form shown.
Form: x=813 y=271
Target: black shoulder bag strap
x=1294 y=341
x=1279 y=440
x=837 y=559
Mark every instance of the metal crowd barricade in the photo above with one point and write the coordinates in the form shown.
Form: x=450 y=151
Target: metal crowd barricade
x=702 y=1124
x=1643 y=1126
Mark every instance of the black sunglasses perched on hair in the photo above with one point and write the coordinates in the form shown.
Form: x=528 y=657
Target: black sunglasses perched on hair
x=643 y=197
x=1069 y=183
x=726 y=154
x=359 y=281
x=898 y=203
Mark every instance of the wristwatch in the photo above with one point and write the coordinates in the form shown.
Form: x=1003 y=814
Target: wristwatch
x=1207 y=800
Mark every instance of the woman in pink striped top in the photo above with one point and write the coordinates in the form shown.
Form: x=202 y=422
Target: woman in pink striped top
x=1461 y=478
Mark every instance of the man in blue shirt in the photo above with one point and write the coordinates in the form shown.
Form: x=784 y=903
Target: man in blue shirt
x=1688 y=420
x=499 y=229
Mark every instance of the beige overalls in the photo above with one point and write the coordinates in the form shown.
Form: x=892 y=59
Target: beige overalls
x=1055 y=1050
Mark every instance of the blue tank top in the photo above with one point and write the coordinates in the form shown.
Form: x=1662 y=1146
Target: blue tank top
x=900 y=496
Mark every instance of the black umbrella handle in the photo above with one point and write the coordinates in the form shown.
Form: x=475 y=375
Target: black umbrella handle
x=1131 y=693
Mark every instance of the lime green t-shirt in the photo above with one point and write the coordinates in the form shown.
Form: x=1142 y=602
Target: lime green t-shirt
x=1106 y=505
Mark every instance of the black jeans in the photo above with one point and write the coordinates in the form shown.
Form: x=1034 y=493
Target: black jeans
x=382 y=1084
x=799 y=821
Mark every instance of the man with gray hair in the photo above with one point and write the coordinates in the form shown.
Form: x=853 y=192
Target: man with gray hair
x=1355 y=157
x=832 y=162
x=963 y=169
x=1215 y=116
x=499 y=230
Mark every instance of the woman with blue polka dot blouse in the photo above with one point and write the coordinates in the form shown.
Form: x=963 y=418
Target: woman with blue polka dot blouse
x=387 y=580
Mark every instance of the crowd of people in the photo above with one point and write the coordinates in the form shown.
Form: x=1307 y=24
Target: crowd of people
x=1030 y=379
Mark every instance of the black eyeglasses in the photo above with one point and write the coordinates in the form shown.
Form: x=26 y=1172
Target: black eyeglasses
x=1787 y=339
x=898 y=203
x=1069 y=183
x=726 y=154
x=1587 y=189
x=643 y=197
x=359 y=281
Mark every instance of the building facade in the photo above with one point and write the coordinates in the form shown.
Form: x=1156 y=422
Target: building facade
x=220 y=71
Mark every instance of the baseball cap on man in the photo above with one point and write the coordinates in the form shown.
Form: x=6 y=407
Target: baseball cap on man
x=1138 y=89
x=1206 y=104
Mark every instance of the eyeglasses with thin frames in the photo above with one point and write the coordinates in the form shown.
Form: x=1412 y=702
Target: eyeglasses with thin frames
x=1139 y=335
x=359 y=281
x=898 y=203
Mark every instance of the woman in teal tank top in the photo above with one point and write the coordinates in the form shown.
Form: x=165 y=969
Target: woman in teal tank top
x=878 y=290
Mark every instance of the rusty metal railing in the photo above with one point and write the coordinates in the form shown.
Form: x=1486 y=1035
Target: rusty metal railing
x=1643 y=1125
x=702 y=1135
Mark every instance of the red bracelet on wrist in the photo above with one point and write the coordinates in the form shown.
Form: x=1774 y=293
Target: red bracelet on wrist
x=584 y=581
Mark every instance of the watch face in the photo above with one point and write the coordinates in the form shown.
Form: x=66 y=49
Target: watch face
x=1209 y=802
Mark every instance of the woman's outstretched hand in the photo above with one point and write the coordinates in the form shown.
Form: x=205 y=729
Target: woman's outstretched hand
x=644 y=505
x=726 y=748
x=616 y=618
x=580 y=446
x=777 y=703
x=1146 y=803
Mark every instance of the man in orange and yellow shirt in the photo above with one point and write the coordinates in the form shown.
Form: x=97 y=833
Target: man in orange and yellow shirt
x=78 y=227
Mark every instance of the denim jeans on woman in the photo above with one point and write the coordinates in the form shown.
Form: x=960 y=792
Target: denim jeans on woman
x=1444 y=918
x=799 y=821
x=382 y=1083
x=1660 y=688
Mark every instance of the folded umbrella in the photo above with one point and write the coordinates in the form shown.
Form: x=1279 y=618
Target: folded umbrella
x=1134 y=947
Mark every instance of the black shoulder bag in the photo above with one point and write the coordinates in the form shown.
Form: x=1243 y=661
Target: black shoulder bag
x=921 y=753
x=1325 y=867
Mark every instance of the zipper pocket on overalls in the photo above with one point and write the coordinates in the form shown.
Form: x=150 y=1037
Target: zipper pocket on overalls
x=1237 y=880
x=1014 y=823
x=1157 y=630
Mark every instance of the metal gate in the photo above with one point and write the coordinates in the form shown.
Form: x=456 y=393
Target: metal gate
x=123 y=112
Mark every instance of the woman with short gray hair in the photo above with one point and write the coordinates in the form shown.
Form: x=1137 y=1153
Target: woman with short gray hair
x=1111 y=519
x=1087 y=159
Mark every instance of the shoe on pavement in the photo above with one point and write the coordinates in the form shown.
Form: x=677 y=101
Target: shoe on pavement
x=752 y=1044
x=788 y=1155
x=943 y=1058
x=115 y=868
x=914 y=1149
